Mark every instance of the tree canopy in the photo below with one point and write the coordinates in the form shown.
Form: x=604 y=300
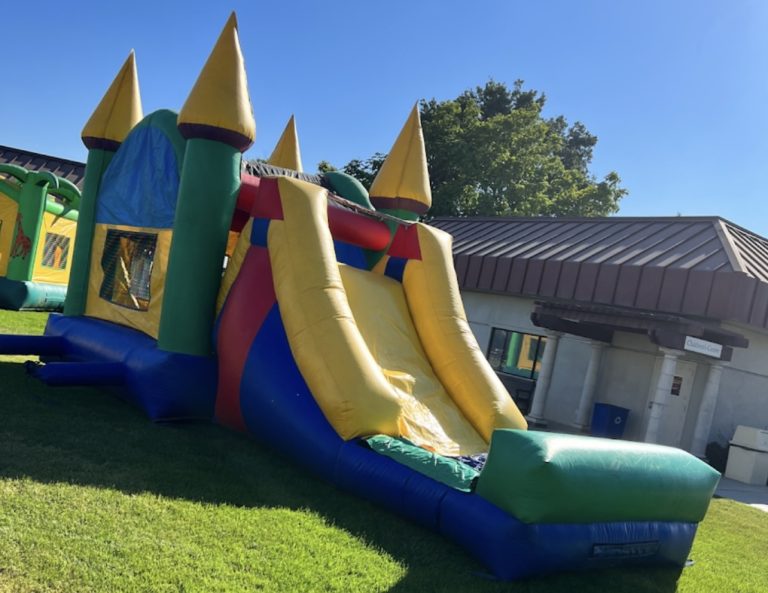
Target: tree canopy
x=491 y=153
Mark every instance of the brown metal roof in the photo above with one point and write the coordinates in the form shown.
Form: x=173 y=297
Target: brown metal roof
x=32 y=161
x=699 y=266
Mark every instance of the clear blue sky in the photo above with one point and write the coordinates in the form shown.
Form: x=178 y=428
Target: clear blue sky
x=676 y=91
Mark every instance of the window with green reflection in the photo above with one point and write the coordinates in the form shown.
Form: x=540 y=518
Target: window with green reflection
x=516 y=353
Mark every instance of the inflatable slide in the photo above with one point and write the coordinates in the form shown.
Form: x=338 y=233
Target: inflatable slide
x=335 y=336
x=370 y=377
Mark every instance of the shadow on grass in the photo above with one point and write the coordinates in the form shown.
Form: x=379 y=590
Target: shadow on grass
x=86 y=437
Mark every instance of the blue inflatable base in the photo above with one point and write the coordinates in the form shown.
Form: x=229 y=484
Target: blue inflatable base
x=166 y=385
x=509 y=548
x=174 y=386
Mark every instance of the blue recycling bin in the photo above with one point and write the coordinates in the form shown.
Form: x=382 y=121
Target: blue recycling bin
x=608 y=421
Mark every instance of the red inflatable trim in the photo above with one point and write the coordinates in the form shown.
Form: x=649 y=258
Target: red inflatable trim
x=249 y=191
x=406 y=243
x=250 y=300
x=267 y=201
x=357 y=229
x=260 y=198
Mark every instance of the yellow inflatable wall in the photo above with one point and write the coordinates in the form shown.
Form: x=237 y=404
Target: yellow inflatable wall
x=435 y=304
x=8 y=210
x=55 y=245
x=330 y=352
x=429 y=417
x=122 y=305
x=234 y=263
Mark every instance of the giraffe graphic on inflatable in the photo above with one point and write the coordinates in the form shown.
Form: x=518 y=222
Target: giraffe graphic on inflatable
x=22 y=245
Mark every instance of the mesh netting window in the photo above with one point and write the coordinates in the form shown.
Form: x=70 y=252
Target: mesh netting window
x=127 y=263
x=55 y=251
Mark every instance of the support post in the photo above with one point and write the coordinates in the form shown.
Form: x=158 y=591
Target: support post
x=661 y=394
x=536 y=415
x=707 y=410
x=586 y=401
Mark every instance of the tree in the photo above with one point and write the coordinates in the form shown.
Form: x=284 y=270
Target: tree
x=365 y=171
x=490 y=152
x=325 y=167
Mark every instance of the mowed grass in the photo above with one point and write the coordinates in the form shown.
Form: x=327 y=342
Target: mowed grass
x=93 y=497
x=15 y=322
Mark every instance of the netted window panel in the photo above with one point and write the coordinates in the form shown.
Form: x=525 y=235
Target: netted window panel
x=127 y=263
x=55 y=251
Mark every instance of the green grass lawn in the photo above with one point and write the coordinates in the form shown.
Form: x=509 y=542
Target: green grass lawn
x=15 y=322
x=93 y=497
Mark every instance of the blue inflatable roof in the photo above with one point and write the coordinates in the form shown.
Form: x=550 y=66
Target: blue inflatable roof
x=141 y=184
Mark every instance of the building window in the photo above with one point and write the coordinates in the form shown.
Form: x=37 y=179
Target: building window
x=55 y=251
x=516 y=353
x=127 y=262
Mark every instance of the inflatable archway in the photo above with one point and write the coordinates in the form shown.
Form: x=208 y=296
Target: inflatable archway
x=38 y=218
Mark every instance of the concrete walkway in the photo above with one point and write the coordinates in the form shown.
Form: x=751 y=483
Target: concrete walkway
x=756 y=496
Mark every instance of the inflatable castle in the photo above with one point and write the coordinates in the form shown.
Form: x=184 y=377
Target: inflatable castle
x=335 y=335
x=38 y=217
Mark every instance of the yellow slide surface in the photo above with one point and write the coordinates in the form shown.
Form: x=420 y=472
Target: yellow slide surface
x=434 y=301
x=430 y=418
x=380 y=356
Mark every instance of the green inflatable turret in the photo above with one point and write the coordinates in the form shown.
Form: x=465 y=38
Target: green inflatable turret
x=217 y=121
x=117 y=113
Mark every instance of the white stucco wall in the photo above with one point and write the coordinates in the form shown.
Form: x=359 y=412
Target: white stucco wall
x=625 y=378
x=743 y=395
x=485 y=311
x=702 y=373
x=567 y=379
x=627 y=371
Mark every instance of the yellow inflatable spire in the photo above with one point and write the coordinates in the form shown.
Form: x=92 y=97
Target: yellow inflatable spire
x=403 y=182
x=219 y=107
x=287 y=153
x=118 y=111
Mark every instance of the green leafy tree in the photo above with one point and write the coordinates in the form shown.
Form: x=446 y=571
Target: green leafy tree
x=325 y=167
x=365 y=171
x=491 y=153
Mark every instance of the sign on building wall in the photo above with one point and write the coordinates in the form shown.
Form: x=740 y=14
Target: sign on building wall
x=703 y=347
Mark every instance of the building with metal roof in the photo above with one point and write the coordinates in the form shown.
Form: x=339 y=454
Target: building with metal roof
x=73 y=171
x=658 y=315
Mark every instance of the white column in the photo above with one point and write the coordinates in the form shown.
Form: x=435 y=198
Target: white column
x=536 y=415
x=707 y=410
x=661 y=394
x=588 y=389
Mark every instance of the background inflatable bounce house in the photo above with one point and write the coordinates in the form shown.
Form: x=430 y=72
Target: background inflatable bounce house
x=336 y=335
x=38 y=217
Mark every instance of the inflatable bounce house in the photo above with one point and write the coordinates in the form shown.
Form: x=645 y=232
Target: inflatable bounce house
x=336 y=336
x=38 y=218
